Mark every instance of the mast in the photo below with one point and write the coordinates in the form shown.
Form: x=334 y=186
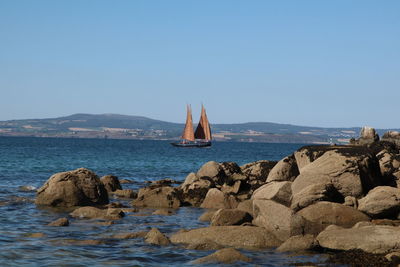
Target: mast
x=203 y=130
x=188 y=130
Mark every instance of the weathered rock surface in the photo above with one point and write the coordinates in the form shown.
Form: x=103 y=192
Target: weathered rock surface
x=258 y=170
x=392 y=136
x=352 y=170
x=372 y=239
x=381 y=202
x=111 y=183
x=159 y=197
x=306 y=155
x=246 y=206
x=205 y=244
x=232 y=236
x=225 y=255
x=95 y=213
x=277 y=219
x=80 y=187
x=322 y=214
x=314 y=193
x=280 y=192
x=206 y=216
x=155 y=237
x=285 y=170
x=298 y=243
x=59 y=222
x=215 y=199
x=125 y=193
x=230 y=217
x=210 y=169
x=388 y=162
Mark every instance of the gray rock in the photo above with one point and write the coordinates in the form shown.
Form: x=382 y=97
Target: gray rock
x=322 y=214
x=351 y=174
x=111 y=183
x=80 y=187
x=285 y=170
x=314 y=193
x=258 y=170
x=277 y=219
x=305 y=156
x=232 y=236
x=125 y=193
x=225 y=255
x=206 y=216
x=298 y=243
x=159 y=197
x=230 y=217
x=372 y=239
x=210 y=169
x=215 y=199
x=280 y=192
x=155 y=237
x=246 y=206
x=380 y=202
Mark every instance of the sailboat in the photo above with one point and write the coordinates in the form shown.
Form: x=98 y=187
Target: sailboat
x=199 y=138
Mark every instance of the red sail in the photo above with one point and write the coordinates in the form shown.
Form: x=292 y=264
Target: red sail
x=203 y=130
x=188 y=131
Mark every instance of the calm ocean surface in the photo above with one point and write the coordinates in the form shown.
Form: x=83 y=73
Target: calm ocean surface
x=31 y=161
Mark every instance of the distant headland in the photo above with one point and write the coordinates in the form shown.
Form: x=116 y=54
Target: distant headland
x=115 y=126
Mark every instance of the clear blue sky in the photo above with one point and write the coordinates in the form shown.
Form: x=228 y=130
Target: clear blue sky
x=317 y=63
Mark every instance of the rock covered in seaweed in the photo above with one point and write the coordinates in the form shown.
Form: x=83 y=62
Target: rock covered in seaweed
x=80 y=187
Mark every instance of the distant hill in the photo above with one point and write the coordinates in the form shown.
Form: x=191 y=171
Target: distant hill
x=138 y=127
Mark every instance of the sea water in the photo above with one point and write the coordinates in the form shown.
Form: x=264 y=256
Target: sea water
x=30 y=162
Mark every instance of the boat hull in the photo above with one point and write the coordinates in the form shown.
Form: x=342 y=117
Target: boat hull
x=192 y=144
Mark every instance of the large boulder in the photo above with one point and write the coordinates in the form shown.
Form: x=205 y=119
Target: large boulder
x=80 y=187
x=322 y=214
x=315 y=193
x=353 y=171
x=381 y=202
x=111 y=183
x=369 y=238
x=388 y=162
x=258 y=170
x=158 y=197
x=285 y=170
x=225 y=255
x=277 y=219
x=231 y=236
x=306 y=155
x=194 y=189
x=368 y=135
x=230 y=217
x=280 y=192
x=216 y=199
x=211 y=169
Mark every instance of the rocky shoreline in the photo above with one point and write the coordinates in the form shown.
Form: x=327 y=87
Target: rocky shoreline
x=344 y=200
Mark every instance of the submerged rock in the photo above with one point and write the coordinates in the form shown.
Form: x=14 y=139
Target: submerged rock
x=80 y=187
x=155 y=237
x=225 y=255
x=125 y=193
x=59 y=222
